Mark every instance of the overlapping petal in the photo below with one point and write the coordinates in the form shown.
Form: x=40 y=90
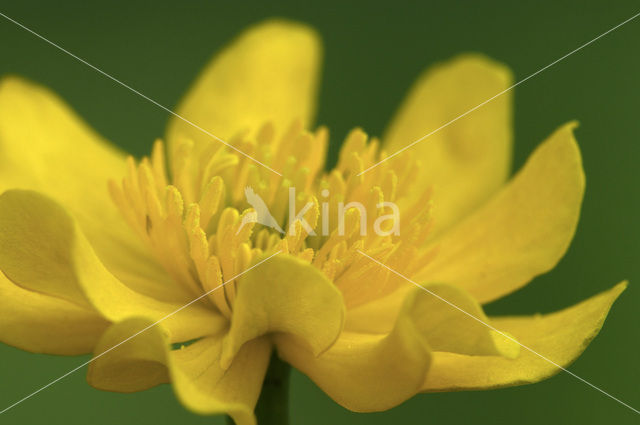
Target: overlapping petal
x=470 y=159
x=130 y=356
x=45 y=146
x=560 y=337
x=45 y=324
x=450 y=320
x=520 y=233
x=447 y=317
x=369 y=371
x=43 y=249
x=365 y=372
x=194 y=370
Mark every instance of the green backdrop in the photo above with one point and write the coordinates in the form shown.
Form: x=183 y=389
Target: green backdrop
x=373 y=53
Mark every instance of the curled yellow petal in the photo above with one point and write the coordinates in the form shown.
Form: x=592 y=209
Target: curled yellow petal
x=468 y=160
x=129 y=357
x=285 y=295
x=206 y=388
x=269 y=73
x=365 y=372
x=194 y=370
x=560 y=337
x=449 y=319
x=43 y=249
x=520 y=233
x=45 y=146
x=41 y=323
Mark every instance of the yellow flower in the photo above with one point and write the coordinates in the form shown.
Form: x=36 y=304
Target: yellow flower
x=85 y=267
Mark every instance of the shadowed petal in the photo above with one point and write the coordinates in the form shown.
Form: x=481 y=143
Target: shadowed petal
x=46 y=147
x=42 y=249
x=285 y=295
x=41 y=323
x=366 y=372
x=447 y=317
x=194 y=370
x=561 y=337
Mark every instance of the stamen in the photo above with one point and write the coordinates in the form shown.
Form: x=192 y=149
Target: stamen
x=217 y=237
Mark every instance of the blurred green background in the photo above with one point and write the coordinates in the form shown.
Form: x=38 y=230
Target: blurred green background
x=373 y=52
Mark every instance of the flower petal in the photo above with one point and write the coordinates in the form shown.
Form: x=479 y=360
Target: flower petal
x=43 y=324
x=46 y=147
x=523 y=231
x=447 y=317
x=285 y=295
x=198 y=380
x=379 y=315
x=129 y=357
x=365 y=372
x=269 y=73
x=443 y=316
x=42 y=249
x=468 y=160
x=206 y=388
x=559 y=336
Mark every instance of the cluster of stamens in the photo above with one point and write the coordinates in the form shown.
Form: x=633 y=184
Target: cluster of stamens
x=198 y=222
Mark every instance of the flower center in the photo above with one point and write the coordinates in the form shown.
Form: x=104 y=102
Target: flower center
x=219 y=211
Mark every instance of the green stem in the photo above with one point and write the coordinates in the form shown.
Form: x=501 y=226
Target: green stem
x=273 y=404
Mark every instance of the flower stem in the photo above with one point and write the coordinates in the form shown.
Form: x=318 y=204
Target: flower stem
x=273 y=404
